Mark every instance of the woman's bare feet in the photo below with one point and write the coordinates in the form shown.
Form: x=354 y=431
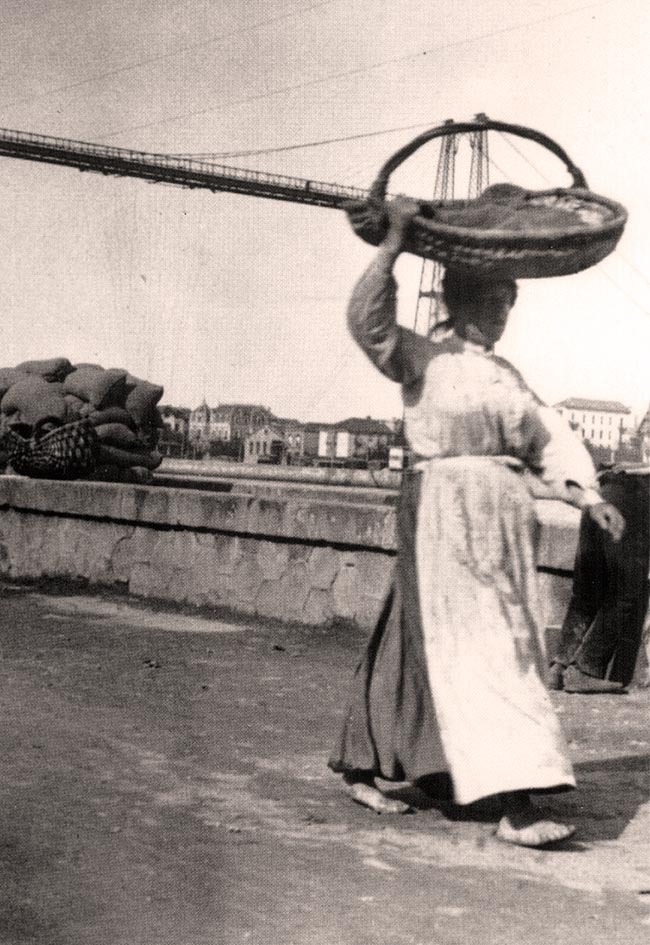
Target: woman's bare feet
x=362 y=789
x=523 y=825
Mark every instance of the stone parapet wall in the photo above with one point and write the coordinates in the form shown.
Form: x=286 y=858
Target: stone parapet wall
x=325 y=475
x=294 y=555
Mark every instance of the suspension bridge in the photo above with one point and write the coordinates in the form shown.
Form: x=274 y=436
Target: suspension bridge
x=191 y=173
x=171 y=169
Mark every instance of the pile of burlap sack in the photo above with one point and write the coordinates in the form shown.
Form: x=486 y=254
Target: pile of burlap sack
x=39 y=397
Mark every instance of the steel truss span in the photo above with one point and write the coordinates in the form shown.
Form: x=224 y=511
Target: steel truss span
x=168 y=169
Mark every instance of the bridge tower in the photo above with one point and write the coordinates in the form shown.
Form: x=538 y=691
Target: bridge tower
x=429 y=308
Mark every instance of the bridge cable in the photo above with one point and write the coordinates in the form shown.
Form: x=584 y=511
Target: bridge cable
x=164 y=56
x=395 y=60
x=210 y=155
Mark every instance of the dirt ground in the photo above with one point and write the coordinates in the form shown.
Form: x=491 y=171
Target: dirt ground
x=164 y=782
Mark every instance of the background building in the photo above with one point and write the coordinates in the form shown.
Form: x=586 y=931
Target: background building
x=265 y=445
x=251 y=433
x=602 y=423
x=236 y=421
x=221 y=431
x=355 y=441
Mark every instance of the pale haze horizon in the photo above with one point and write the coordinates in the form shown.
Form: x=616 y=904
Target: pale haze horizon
x=232 y=298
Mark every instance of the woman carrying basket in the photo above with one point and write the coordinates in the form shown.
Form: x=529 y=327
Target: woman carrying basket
x=451 y=680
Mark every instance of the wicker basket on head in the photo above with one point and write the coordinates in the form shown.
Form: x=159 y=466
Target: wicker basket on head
x=506 y=231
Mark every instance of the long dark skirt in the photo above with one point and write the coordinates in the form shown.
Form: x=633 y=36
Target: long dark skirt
x=390 y=728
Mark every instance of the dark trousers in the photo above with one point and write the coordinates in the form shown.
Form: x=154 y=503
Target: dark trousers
x=602 y=629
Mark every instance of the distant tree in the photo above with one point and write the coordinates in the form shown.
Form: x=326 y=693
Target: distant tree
x=601 y=455
x=172 y=443
x=227 y=448
x=631 y=452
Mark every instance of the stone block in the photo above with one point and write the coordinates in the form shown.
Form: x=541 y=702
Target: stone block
x=285 y=598
x=270 y=600
x=319 y=607
x=182 y=587
x=144 y=543
x=225 y=552
x=299 y=552
x=374 y=573
x=323 y=566
x=245 y=583
x=273 y=559
x=146 y=580
x=361 y=585
x=98 y=551
x=119 y=565
x=367 y=610
x=295 y=587
x=346 y=588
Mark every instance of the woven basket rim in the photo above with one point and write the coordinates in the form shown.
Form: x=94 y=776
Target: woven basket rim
x=560 y=249
x=578 y=234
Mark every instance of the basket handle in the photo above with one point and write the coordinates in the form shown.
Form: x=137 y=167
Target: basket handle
x=377 y=192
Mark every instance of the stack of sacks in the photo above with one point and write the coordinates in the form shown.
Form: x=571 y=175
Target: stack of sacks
x=40 y=396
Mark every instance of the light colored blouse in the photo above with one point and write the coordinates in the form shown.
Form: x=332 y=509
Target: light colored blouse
x=462 y=400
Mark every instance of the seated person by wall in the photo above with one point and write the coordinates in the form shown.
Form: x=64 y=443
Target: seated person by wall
x=602 y=631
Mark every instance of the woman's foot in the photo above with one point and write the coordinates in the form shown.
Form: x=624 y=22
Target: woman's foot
x=554 y=678
x=578 y=682
x=523 y=825
x=362 y=789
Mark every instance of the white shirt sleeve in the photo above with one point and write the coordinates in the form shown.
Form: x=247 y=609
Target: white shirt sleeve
x=398 y=353
x=565 y=461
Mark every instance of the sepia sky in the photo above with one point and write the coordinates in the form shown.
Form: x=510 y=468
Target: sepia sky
x=237 y=298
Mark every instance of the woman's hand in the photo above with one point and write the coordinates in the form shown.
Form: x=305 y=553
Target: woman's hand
x=400 y=213
x=608 y=517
